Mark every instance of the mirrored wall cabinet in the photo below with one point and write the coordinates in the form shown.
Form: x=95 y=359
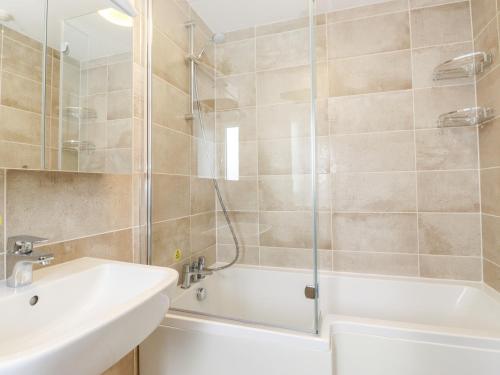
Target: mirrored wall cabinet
x=66 y=99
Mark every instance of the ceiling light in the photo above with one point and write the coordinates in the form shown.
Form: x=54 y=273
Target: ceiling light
x=116 y=17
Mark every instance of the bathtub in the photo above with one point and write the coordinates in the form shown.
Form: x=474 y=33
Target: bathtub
x=256 y=321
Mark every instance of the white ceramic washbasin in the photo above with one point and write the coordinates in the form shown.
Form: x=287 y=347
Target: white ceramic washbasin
x=90 y=313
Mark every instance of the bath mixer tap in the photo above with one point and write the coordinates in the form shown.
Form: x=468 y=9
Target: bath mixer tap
x=194 y=272
x=21 y=257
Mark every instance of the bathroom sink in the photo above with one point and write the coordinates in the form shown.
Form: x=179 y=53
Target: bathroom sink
x=80 y=317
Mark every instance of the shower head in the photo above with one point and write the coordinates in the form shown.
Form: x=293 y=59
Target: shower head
x=216 y=38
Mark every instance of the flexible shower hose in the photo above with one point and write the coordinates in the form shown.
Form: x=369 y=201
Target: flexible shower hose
x=214 y=179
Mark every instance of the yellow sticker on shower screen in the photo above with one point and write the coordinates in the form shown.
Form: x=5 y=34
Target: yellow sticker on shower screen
x=178 y=254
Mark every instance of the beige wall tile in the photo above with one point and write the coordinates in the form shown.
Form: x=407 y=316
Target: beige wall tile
x=293 y=156
x=371 y=113
x=171 y=151
x=248 y=254
x=120 y=76
x=289 y=85
x=21 y=93
x=95 y=133
x=448 y=191
x=281 y=50
x=294 y=258
x=487 y=90
x=368 y=10
x=450 y=267
x=113 y=245
x=426 y=59
x=209 y=253
x=442 y=24
x=202 y=195
x=9 y=33
x=292 y=192
x=450 y=234
x=172 y=115
x=119 y=134
x=169 y=61
x=430 y=103
x=491 y=238
x=19 y=126
x=236 y=57
x=170 y=197
x=372 y=73
x=451 y=148
x=491 y=275
x=101 y=205
x=170 y=18
x=235 y=92
x=119 y=161
x=243 y=119
x=21 y=59
x=96 y=103
x=374 y=192
x=203 y=231
x=375 y=232
x=482 y=11
x=241 y=195
x=293 y=229
x=289 y=120
x=389 y=32
x=288 y=25
x=233 y=36
x=95 y=162
x=245 y=225
x=375 y=152
x=95 y=80
x=376 y=263
x=490 y=191
x=119 y=105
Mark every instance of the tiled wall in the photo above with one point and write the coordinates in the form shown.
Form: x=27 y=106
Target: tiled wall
x=397 y=195
x=263 y=88
x=183 y=197
x=21 y=102
x=485 y=24
x=405 y=193
x=106 y=90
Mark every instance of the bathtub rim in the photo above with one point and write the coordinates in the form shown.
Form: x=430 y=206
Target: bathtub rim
x=479 y=285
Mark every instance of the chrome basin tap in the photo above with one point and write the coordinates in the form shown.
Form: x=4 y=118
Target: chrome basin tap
x=20 y=259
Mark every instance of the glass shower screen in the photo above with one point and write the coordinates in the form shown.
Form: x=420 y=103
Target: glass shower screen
x=237 y=188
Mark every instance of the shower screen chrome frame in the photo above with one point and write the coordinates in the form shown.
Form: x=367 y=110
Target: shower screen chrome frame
x=314 y=179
